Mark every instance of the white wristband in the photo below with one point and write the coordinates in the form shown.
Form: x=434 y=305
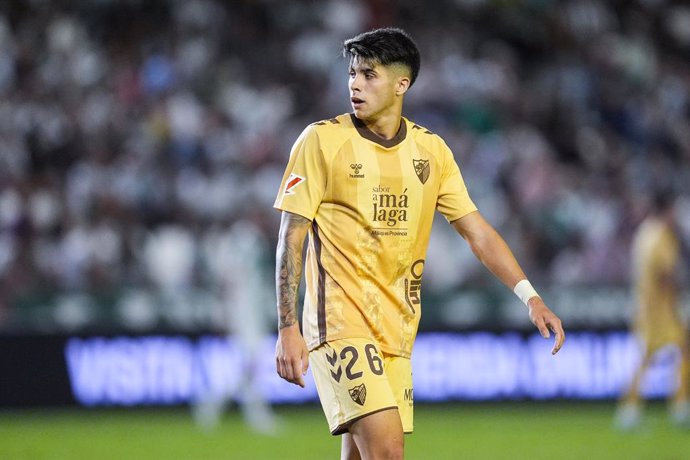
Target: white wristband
x=524 y=290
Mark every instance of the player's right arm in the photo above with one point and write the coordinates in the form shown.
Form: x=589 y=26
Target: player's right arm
x=292 y=356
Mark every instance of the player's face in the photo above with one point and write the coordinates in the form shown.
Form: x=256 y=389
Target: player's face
x=374 y=89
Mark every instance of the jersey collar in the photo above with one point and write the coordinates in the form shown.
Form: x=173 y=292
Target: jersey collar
x=368 y=134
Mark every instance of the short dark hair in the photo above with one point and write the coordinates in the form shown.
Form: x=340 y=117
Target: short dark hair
x=385 y=46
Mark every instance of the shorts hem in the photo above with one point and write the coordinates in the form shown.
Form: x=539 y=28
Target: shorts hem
x=344 y=427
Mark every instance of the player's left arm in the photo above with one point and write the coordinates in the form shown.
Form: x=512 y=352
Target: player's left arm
x=492 y=250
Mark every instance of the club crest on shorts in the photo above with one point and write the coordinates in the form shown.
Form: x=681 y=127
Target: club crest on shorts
x=421 y=167
x=358 y=394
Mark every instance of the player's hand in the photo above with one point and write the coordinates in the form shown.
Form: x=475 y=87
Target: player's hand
x=292 y=356
x=546 y=321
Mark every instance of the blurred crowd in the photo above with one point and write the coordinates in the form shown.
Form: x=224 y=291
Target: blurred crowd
x=136 y=133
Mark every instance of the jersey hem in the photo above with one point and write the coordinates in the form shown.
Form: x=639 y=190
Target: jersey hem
x=316 y=343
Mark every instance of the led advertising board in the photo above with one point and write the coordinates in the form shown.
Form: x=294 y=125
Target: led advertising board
x=162 y=370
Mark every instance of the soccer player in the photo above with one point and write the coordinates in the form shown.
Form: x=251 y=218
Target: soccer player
x=235 y=255
x=365 y=186
x=658 y=324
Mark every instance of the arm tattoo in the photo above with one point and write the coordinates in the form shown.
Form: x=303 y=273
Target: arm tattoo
x=293 y=229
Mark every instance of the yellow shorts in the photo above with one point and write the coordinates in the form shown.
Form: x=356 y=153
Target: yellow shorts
x=656 y=336
x=354 y=379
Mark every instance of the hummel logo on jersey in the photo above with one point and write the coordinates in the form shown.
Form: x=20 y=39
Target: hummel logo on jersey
x=356 y=167
x=358 y=394
x=293 y=181
x=421 y=167
x=426 y=131
x=332 y=360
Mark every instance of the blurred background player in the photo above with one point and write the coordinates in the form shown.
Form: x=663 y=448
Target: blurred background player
x=658 y=323
x=236 y=256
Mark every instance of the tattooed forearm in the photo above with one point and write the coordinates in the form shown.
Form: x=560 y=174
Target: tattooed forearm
x=293 y=229
x=289 y=273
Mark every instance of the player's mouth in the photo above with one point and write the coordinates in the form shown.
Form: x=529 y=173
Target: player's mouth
x=356 y=102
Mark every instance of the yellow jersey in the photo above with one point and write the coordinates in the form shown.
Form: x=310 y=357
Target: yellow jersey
x=655 y=254
x=371 y=202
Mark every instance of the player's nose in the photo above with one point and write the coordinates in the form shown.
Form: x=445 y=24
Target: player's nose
x=355 y=83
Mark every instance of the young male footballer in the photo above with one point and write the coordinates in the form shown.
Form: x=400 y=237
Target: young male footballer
x=365 y=186
x=658 y=322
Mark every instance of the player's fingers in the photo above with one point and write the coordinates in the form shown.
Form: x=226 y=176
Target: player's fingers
x=557 y=329
x=282 y=367
x=289 y=369
x=558 y=343
x=541 y=325
x=305 y=363
x=295 y=370
x=286 y=369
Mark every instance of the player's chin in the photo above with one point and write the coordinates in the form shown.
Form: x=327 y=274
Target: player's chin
x=358 y=112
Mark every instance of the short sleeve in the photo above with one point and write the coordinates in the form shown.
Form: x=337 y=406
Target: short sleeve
x=304 y=180
x=453 y=200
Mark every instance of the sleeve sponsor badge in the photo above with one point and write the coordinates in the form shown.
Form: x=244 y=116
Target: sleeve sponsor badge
x=292 y=182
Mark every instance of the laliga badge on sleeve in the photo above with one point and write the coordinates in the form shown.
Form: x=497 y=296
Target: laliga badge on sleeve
x=292 y=182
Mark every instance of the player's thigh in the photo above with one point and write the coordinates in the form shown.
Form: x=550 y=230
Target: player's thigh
x=379 y=435
x=348 y=449
x=351 y=381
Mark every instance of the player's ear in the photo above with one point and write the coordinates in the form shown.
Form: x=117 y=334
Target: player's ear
x=402 y=85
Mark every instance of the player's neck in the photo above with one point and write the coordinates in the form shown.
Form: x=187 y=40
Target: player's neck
x=385 y=126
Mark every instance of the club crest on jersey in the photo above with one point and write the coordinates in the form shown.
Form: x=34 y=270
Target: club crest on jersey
x=358 y=394
x=293 y=181
x=421 y=167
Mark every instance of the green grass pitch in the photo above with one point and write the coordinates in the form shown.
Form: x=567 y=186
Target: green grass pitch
x=495 y=431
